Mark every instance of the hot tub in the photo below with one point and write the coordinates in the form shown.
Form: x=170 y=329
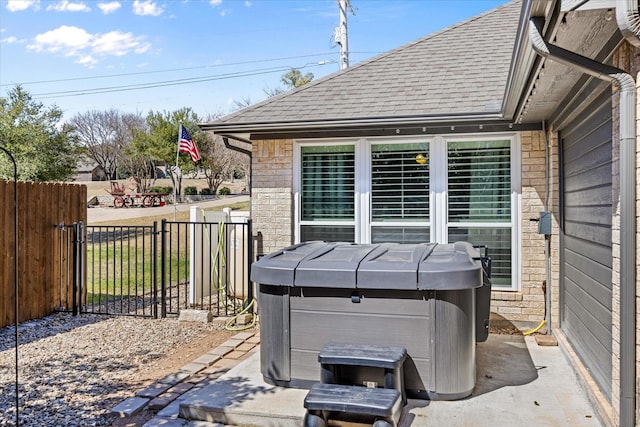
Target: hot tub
x=432 y=299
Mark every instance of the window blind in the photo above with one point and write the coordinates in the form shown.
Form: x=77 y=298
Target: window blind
x=479 y=181
x=328 y=179
x=399 y=182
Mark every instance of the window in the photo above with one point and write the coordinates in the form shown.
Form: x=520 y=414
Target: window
x=327 y=189
x=400 y=193
x=479 y=199
x=409 y=190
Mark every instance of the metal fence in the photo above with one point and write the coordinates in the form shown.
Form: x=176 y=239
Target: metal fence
x=158 y=270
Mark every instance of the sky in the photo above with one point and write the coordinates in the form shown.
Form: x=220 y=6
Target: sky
x=162 y=55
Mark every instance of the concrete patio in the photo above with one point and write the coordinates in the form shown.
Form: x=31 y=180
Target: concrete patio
x=518 y=383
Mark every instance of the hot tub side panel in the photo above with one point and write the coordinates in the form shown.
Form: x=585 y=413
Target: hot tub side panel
x=455 y=344
x=383 y=317
x=275 y=363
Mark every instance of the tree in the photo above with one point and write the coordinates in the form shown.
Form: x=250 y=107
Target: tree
x=44 y=150
x=104 y=135
x=158 y=144
x=217 y=161
x=292 y=79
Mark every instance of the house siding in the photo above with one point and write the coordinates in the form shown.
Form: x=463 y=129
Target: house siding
x=272 y=210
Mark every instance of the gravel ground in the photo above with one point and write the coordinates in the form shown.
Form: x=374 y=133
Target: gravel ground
x=74 y=370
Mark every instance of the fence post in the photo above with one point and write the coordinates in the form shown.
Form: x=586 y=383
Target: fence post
x=77 y=261
x=163 y=284
x=248 y=263
x=154 y=278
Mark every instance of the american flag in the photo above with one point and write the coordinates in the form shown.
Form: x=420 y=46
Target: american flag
x=186 y=144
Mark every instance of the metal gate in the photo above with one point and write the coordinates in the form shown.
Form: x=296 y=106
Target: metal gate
x=157 y=270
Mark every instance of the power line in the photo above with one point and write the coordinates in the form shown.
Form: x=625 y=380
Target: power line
x=151 y=85
x=166 y=70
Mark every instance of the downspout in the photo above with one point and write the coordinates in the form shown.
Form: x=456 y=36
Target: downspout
x=628 y=19
x=225 y=139
x=627 y=205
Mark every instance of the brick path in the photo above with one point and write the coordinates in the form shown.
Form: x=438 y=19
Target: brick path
x=162 y=396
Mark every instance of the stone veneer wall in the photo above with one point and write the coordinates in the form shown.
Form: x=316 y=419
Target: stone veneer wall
x=528 y=304
x=271 y=195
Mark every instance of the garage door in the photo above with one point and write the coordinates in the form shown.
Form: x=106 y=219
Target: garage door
x=585 y=242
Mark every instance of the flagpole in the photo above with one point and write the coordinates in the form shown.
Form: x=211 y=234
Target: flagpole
x=175 y=181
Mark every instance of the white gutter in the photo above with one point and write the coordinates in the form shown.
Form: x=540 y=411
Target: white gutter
x=627 y=111
x=628 y=18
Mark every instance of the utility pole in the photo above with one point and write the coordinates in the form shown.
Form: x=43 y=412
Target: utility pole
x=340 y=33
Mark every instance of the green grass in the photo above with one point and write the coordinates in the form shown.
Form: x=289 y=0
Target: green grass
x=106 y=281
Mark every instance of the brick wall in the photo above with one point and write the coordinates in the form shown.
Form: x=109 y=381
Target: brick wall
x=271 y=197
x=528 y=304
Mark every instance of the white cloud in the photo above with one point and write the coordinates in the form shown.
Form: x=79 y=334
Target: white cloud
x=147 y=7
x=215 y=3
x=18 y=5
x=67 y=6
x=225 y=12
x=88 y=48
x=110 y=7
x=9 y=40
x=247 y=3
x=116 y=43
x=65 y=39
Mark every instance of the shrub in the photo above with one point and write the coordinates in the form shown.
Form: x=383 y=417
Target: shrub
x=190 y=191
x=206 y=191
x=160 y=189
x=224 y=191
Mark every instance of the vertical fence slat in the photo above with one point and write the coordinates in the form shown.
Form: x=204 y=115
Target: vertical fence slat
x=41 y=207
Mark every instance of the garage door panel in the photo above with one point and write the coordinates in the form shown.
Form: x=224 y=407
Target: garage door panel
x=599 y=215
x=585 y=241
x=595 y=357
x=588 y=251
x=589 y=232
x=601 y=276
x=596 y=176
x=595 y=196
x=586 y=291
x=590 y=154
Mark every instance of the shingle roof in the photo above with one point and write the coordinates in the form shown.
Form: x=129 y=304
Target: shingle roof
x=460 y=70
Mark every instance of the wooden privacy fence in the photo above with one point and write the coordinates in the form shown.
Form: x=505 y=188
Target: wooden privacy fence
x=42 y=261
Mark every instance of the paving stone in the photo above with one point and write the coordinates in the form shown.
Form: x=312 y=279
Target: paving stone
x=253 y=340
x=245 y=346
x=222 y=365
x=242 y=336
x=130 y=406
x=153 y=390
x=195 y=379
x=190 y=315
x=220 y=351
x=164 y=422
x=162 y=401
x=232 y=343
x=207 y=359
x=181 y=388
x=175 y=378
x=236 y=355
x=193 y=367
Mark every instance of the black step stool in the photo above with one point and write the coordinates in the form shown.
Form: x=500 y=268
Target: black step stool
x=333 y=398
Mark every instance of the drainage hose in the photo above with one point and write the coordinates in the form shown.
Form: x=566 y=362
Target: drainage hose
x=536 y=329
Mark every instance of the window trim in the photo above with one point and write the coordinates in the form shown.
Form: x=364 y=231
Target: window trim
x=438 y=195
